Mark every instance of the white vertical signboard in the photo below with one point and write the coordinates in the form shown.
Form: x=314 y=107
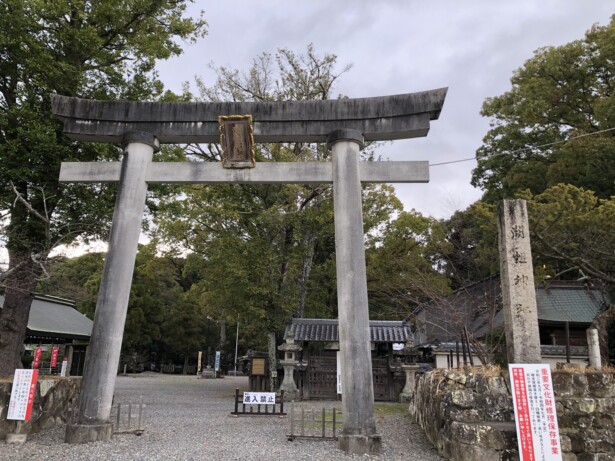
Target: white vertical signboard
x=339 y=373
x=63 y=370
x=217 y=364
x=535 y=415
x=22 y=395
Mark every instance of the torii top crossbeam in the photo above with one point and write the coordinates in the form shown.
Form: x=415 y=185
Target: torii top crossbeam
x=378 y=119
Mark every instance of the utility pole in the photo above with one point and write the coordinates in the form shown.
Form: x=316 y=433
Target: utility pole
x=236 y=344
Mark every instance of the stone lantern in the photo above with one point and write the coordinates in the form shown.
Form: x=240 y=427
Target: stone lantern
x=407 y=394
x=290 y=349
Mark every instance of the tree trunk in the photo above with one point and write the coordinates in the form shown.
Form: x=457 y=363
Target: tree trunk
x=306 y=267
x=18 y=295
x=602 y=323
x=222 y=335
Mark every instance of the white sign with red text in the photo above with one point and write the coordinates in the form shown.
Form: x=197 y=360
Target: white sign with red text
x=22 y=395
x=535 y=416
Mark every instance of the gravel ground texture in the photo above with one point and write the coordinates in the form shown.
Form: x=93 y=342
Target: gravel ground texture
x=186 y=418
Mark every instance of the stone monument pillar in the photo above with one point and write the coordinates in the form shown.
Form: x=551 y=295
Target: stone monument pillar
x=290 y=349
x=517 y=279
x=593 y=346
x=359 y=433
x=103 y=353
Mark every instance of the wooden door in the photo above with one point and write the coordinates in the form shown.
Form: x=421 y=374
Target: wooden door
x=321 y=378
x=380 y=373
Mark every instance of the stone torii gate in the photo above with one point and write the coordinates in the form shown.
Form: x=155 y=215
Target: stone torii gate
x=140 y=126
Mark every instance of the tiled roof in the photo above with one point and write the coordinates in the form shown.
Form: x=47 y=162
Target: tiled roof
x=55 y=318
x=381 y=331
x=568 y=304
x=563 y=302
x=545 y=350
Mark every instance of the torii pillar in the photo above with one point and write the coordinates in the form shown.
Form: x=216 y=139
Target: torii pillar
x=343 y=124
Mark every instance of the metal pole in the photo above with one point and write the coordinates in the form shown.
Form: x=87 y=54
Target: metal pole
x=236 y=344
x=457 y=349
x=467 y=338
x=463 y=350
x=567 y=342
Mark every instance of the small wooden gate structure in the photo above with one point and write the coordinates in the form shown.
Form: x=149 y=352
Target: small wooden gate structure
x=313 y=426
x=320 y=375
x=383 y=378
x=123 y=417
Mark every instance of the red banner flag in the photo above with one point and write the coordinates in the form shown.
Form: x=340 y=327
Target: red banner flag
x=54 y=356
x=37 y=357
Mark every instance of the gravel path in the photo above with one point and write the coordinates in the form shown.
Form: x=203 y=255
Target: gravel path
x=189 y=419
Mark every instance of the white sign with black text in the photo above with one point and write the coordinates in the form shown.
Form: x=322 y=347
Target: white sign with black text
x=339 y=373
x=259 y=398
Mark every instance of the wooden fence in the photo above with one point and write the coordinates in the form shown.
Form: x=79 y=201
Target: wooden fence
x=314 y=425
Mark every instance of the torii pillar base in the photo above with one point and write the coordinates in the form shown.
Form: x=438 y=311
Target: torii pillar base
x=360 y=444
x=85 y=433
x=17 y=439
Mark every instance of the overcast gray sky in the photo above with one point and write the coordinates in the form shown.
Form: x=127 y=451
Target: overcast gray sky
x=397 y=46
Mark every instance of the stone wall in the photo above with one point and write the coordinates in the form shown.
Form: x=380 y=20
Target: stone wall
x=469 y=415
x=53 y=400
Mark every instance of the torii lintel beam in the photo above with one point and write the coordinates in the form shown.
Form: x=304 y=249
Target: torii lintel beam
x=264 y=173
x=378 y=119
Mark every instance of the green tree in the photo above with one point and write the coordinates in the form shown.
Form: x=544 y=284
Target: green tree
x=572 y=231
x=75 y=279
x=556 y=124
x=572 y=235
x=184 y=330
x=164 y=320
x=472 y=251
x=552 y=142
x=404 y=267
x=268 y=250
x=93 y=49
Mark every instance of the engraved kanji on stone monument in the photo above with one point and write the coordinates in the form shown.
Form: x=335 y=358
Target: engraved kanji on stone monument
x=237 y=140
x=517 y=279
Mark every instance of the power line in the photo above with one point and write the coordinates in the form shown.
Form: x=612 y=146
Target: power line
x=526 y=148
